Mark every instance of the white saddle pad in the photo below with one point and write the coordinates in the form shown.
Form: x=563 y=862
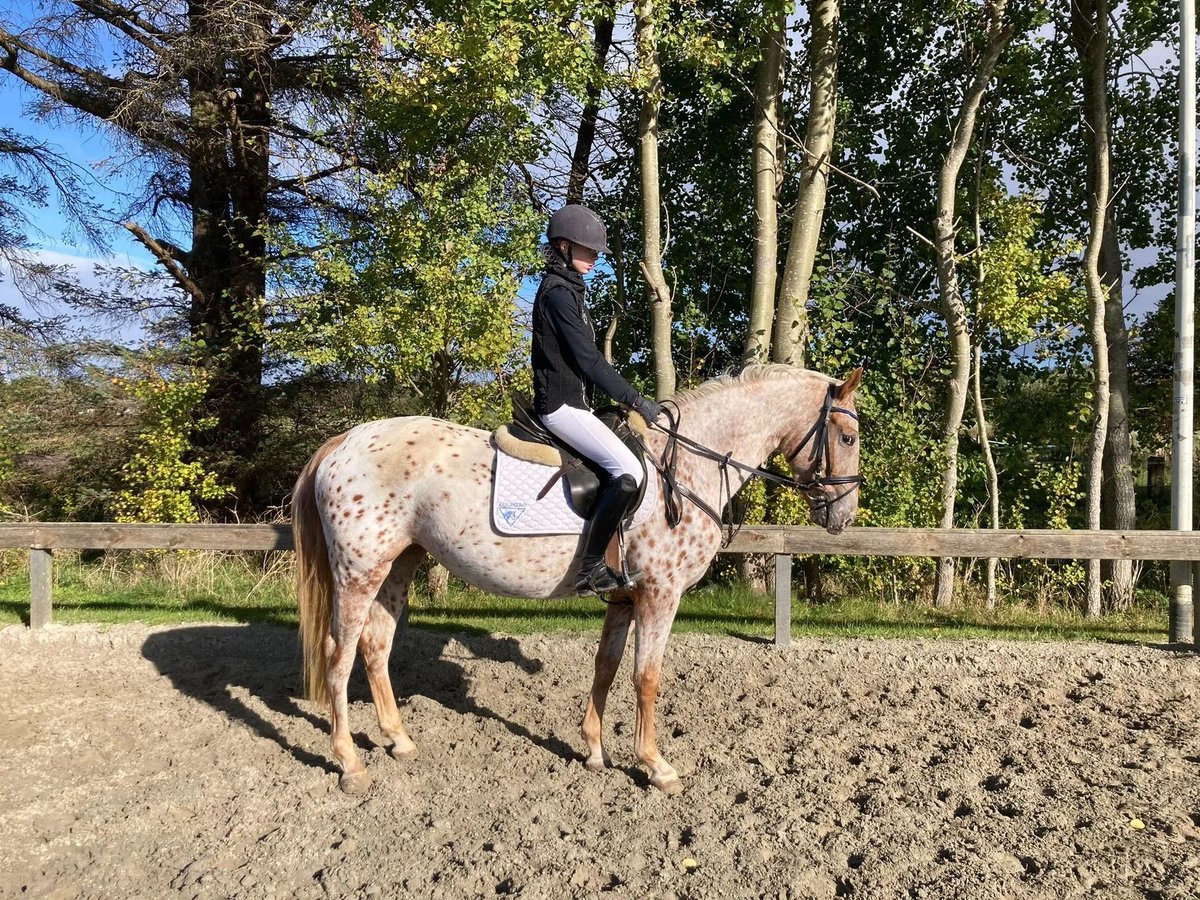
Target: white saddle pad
x=516 y=509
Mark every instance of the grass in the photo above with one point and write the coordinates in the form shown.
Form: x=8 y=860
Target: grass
x=196 y=587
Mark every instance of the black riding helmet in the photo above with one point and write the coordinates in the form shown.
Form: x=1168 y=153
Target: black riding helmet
x=579 y=225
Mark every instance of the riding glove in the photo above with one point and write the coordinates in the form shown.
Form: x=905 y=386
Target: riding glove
x=647 y=409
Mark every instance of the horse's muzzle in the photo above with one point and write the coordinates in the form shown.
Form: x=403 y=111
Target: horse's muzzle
x=833 y=518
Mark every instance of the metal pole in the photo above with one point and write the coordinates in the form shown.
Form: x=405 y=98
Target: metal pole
x=1181 y=610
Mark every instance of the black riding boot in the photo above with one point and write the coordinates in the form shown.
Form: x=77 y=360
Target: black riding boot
x=612 y=504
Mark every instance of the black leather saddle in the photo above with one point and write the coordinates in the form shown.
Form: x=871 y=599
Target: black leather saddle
x=584 y=478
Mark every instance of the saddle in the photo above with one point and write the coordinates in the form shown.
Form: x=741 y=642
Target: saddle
x=526 y=438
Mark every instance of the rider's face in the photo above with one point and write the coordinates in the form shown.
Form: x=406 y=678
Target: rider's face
x=583 y=258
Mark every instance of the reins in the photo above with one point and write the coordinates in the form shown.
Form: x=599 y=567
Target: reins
x=674 y=490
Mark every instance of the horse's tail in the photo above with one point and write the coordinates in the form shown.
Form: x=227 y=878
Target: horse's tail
x=314 y=579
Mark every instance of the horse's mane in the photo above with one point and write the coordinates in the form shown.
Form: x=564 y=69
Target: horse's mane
x=752 y=373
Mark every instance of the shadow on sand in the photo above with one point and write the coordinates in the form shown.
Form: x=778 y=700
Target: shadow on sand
x=205 y=661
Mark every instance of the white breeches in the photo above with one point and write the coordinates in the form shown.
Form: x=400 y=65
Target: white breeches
x=593 y=439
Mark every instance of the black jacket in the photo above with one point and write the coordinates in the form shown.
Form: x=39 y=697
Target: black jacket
x=566 y=363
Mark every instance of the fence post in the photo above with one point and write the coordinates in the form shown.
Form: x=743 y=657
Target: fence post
x=41 y=587
x=783 y=599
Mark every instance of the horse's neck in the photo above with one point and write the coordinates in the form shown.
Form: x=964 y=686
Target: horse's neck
x=748 y=420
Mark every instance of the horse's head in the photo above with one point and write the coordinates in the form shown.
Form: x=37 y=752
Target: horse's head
x=824 y=459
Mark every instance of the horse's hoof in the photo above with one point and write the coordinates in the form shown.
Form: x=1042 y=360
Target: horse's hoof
x=355 y=782
x=403 y=755
x=595 y=763
x=671 y=785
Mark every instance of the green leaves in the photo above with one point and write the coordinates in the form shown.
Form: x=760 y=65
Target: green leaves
x=160 y=483
x=422 y=289
x=1024 y=284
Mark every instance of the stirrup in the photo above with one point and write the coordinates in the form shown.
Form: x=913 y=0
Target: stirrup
x=599 y=579
x=603 y=580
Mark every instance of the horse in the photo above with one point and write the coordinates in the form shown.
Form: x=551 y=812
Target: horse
x=372 y=502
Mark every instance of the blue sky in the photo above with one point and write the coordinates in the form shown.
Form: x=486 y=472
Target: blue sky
x=54 y=240
x=87 y=147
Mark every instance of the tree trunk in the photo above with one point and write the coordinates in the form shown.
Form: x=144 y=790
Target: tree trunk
x=249 y=115
x=791 y=317
x=616 y=257
x=985 y=438
x=948 y=287
x=985 y=442
x=656 y=285
x=1089 y=30
x=1118 y=500
x=766 y=191
x=591 y=112
x=226 y=262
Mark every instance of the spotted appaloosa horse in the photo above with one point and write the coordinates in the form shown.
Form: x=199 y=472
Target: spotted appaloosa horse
x=371 y=503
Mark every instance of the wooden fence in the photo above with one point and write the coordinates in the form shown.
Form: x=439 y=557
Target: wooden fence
x=781 y=541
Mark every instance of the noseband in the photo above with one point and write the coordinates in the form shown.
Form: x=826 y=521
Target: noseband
x=822 y=455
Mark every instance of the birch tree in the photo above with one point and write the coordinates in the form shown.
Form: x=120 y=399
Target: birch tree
x=767 y=173
x=981 y=419
x=997 y=35
x=809 y=212
x=1089 y=30
x=650 y=84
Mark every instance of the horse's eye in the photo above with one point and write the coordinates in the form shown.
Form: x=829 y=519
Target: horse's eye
x=849 y=439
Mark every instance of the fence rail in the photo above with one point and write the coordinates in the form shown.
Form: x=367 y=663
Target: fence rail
x=41 y=539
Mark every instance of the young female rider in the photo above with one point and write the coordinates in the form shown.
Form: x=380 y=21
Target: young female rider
x=567 y=367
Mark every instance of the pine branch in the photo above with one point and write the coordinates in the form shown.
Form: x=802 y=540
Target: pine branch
x=105 y=100
x=126 y=21
x=162 y=251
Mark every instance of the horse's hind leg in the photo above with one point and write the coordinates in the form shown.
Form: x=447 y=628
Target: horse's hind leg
x=353 y=597
x=608 y=659
x=375 y=644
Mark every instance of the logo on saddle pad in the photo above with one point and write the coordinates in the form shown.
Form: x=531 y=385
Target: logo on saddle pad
x=510 y=510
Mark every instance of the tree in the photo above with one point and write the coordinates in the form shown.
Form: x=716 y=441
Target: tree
x=649 y=82
x=420 y=288
x=1089 y=30
x=1046 y=126
x=809 y=212
x=981 y=418
x=998 y=33
x=31 y=174
x=586 y=133
x=212 y=101
x=766 y=160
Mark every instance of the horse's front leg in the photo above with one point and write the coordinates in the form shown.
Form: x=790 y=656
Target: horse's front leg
x=608 y=658
x=654 y=611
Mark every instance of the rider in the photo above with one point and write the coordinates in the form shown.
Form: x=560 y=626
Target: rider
x=567 y=367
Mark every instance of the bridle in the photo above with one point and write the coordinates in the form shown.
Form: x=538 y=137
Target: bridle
x=822 y=454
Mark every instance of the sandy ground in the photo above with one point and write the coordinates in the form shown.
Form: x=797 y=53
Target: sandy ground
x=157 y=762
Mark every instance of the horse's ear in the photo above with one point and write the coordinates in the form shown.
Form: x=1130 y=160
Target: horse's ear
x=847 y=387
